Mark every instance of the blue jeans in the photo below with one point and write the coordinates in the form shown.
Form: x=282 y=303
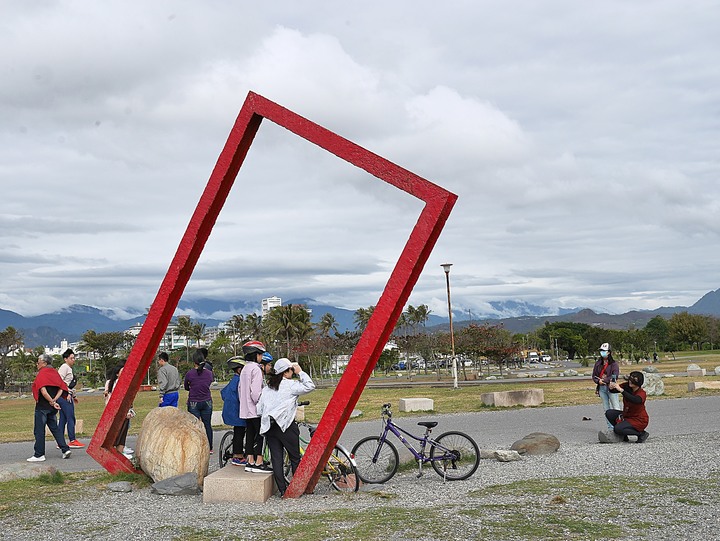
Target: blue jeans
x=47 y=418
x=203 y=411
x=67 y=417
x=611 y=401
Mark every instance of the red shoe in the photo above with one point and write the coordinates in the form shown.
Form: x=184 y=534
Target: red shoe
x=76 y=444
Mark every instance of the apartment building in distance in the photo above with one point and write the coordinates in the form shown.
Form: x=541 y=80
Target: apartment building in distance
x=270 y=303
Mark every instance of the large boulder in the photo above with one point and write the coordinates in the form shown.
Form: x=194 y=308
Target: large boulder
x=654 y=385
x=172 y=442
x=536 y=443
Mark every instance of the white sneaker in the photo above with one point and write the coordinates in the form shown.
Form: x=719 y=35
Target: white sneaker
x=36 y=459
x=129 y=456
x=67 y=453
x=127 y=449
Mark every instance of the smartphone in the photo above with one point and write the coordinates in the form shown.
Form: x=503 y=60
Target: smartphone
x=613 y=377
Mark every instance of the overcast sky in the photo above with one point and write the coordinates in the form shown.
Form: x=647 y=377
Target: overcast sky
x=582 y=140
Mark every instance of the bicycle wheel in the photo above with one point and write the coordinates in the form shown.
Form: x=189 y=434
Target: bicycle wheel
x=456 y=456
x=371 y=469
x=340 y=471
x=225 y=452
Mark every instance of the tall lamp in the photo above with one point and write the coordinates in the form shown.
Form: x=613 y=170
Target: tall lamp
x=446 y=268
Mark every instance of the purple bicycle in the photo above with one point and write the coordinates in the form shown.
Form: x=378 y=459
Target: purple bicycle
x=453 y=455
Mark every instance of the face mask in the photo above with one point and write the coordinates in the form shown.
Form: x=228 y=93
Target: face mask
x=604 y=354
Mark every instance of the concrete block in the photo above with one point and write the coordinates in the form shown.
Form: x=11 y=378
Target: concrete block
x=216 y=419
x=234 y=484
x=695 y=385
x=416 y=404
x=300 y=414
x=525 y=397
x=696 y=373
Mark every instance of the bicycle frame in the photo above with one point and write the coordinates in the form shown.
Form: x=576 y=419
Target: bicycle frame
x=421 y=457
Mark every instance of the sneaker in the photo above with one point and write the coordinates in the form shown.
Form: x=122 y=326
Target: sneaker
x=237 y=462
x=260 y=468
x=76 y=444
x=36 y=459
x=642 y=437
x=211 y=452
x=67 y=453
x=129 y=450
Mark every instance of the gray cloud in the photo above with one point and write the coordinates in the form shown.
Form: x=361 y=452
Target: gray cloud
x=581 y=140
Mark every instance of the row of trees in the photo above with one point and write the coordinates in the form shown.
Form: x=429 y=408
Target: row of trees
x=288 y=331
x=682 y=331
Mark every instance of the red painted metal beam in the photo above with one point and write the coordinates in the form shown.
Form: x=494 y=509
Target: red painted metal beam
x=438 y=204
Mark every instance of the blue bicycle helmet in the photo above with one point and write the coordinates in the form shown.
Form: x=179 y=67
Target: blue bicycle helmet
x=267 y=358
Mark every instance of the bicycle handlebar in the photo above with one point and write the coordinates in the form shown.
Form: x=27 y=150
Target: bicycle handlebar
x=304 y=403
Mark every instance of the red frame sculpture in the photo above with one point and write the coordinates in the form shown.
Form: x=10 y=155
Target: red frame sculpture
x=438 y=204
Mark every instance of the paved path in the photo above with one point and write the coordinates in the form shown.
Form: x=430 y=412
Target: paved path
x=491 y=429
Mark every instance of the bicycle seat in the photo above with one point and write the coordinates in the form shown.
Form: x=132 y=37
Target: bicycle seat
x=428 y=424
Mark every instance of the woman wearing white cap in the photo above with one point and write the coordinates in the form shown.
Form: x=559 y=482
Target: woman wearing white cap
x=277 y=407
x=606 y=369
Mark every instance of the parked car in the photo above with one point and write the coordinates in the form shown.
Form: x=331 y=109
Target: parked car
x=546 y=358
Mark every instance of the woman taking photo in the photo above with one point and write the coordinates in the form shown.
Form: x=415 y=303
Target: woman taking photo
x=277 y=407
x=633 y=419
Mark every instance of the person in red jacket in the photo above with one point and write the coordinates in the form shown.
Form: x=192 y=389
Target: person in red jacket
x=633 y=419
x=47 y=389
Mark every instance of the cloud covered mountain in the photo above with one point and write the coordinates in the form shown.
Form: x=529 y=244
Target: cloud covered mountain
x=519 y=316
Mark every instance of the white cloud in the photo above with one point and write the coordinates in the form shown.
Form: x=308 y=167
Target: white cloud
x=581 y=141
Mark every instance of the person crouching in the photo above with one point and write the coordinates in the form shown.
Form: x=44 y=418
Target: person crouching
x=633 y=420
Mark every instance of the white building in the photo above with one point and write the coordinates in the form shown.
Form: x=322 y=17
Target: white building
x=269 y=303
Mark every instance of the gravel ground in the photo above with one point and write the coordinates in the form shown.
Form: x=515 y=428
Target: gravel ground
x=665 y=489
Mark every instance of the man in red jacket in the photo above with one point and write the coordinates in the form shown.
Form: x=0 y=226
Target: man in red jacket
x=633 y=420
x=47 y=389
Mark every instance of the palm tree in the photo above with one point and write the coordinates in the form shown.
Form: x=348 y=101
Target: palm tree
x=198 y=332
x=326 y=324
x=362 y=317
x=290 y=322
x=253 y=326
x=184 y=328
x=236 y=326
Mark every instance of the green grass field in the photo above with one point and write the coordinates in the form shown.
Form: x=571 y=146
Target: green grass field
x=16 y=415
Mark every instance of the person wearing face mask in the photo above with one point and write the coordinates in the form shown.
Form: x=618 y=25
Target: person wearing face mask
x=606 y=370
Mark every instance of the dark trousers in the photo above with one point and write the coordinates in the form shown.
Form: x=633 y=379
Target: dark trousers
x=278 y=441
x=67 y=416
x=203 y=411
x=122 y=435
x=47 y=418
x=623 y=427
x=238 y=447
x=253 y=439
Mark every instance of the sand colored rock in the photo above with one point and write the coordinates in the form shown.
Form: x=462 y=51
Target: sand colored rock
x=172 y=442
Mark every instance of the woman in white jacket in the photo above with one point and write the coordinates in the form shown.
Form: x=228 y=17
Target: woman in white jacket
x=277 y=407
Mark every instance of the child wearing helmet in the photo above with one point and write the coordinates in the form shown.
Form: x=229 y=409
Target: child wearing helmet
x=252 y=380
x=231 y=411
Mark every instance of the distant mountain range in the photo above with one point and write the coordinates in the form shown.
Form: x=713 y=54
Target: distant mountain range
x=517 y=316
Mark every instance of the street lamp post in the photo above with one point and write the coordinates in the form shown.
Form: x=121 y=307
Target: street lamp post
x=446 y=268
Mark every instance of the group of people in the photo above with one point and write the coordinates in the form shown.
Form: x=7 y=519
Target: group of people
x=261 y=402
x=632 y=419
